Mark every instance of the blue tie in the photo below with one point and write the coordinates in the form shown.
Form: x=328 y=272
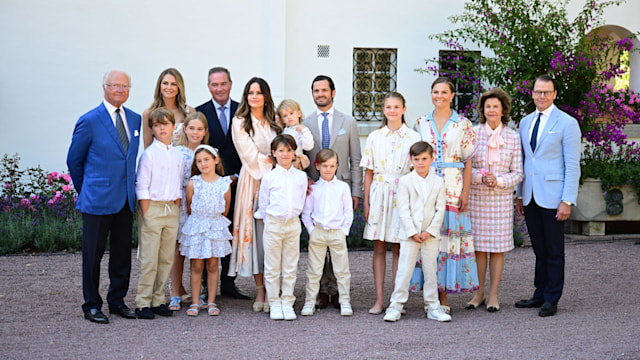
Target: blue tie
x=326 y=135
x=223 y=119
x=534 y=134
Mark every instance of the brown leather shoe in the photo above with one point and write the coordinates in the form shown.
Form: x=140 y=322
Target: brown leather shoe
x=335 y=302
x=323 y=301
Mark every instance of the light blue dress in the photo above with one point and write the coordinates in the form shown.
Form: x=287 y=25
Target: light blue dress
x=206 y=234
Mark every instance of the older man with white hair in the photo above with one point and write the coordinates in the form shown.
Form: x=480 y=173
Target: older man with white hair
x=102 y=165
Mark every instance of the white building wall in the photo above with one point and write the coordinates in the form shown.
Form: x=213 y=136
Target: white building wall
x=53 y=54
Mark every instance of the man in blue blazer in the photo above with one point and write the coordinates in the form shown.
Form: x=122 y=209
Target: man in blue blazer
x=102 y=165
x=219 y=84
x=551 y=153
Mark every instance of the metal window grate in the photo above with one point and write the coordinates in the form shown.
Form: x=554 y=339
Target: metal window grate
x=374 y=75
x=451 y=62
x=324 y=51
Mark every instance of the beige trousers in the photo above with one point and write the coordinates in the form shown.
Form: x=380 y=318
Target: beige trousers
x=409 y=251
x=157 y=233
x=281 y=253
x=335 y=240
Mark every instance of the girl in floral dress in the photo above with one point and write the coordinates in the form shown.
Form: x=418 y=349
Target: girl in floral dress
x=385 y=159
x=194 y=132
x=454 y=143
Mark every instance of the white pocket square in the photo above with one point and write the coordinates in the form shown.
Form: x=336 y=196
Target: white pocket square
x=136 y=133
x=342 y=131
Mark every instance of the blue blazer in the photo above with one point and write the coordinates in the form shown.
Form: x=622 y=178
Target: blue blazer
x=103 y=175
x=552 y=171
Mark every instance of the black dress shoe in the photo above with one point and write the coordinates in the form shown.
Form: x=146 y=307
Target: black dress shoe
x=530 y=303
x=234 y=292
x=323 y=301
x=548 y=309
x=145 y=313
x=162 y=310
x=96 y=316
x=335 y=301
x=123 y=311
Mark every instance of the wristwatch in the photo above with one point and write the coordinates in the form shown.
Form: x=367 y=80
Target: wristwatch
x=567 y=202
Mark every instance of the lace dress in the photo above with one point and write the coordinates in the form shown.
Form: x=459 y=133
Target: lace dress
x=206 y=232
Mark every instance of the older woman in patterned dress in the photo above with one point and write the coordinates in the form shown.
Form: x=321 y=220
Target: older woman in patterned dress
x=497 y=169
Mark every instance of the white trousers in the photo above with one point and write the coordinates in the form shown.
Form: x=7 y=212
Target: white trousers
x=409 y=250
x=335 y=240
x=281 y=253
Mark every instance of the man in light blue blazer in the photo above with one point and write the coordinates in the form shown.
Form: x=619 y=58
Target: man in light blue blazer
x=102 y=165
x=551 y=153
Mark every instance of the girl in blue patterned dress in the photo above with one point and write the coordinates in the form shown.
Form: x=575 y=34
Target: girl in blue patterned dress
x=205 y=236
x=194 y=132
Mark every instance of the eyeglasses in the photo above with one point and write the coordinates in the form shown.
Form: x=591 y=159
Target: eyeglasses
x=537 y=93
x=118 y=86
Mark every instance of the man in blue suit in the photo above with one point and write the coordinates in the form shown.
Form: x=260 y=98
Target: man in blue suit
x=219 y=112
x=551 y=152
x=102 y=165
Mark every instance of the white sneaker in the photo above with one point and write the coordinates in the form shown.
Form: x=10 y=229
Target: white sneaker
x=392 y=315
x=438 y=314
x=308 y=310
x=275 y=313
x=345 y=309
x=288 y=313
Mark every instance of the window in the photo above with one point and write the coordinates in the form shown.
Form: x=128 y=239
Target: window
x=454 y=63
x=374 y=75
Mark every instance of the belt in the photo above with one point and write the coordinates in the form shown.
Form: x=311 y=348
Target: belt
x=440 y=164
x=388 y=177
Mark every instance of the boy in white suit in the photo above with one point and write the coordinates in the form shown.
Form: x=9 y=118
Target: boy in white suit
x=421 y=201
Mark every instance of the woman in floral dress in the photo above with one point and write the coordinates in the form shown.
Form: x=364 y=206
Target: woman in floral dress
x=454 y=143
x=253 y=129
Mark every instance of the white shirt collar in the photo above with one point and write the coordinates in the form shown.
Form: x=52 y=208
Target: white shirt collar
x=216 y=105
x=329 y=111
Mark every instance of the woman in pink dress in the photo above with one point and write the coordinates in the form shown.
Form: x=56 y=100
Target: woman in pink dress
x=497 y=169
x=253 y=129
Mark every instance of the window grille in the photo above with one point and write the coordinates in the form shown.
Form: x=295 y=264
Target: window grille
x=374 y=75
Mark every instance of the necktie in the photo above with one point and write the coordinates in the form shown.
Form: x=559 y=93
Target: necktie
x=122 y=133
x=223 y=119
x=326 y=135
x=534 y=134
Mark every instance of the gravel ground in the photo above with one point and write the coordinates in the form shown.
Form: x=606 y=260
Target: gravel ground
x=598 y=317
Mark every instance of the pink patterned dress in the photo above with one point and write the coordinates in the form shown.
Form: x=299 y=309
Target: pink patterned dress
x=457 y=271
x=492 y=208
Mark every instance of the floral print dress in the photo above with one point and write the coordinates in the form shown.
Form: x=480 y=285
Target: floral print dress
x=387 y=154
x=455 y=145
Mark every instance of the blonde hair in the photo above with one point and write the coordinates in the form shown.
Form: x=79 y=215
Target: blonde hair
x=194 y=116
x=181 y=100
x=287 y=104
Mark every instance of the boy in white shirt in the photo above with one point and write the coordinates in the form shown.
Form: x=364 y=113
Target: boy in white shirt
x=327 y=215
x=421 y=204
x=158 y=189
x=282 y=194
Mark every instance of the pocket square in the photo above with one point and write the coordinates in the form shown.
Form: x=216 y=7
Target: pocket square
x=136 y=133
x=342 y=131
